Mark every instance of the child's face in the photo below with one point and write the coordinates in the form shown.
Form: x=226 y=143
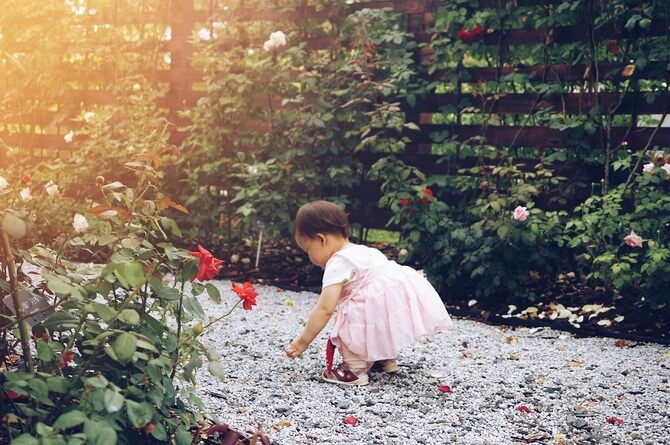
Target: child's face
x=316 y=248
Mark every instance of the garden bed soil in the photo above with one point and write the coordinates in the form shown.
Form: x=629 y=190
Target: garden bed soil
x=284 y=265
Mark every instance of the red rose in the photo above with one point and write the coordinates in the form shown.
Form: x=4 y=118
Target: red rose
x=11 y=395
x=209 y=266
x=427 y=194
x=404 y=202
x=65 y=358
x=247 y=293
x=466 y=36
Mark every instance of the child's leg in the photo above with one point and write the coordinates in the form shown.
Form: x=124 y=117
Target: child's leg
x=354 y=362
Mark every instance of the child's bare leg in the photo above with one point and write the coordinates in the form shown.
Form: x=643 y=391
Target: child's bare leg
x=353 y=361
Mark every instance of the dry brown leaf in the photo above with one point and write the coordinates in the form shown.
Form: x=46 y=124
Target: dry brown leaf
x=243 y=410
x=465 y=344
x=576 y=362
x=281 y=424
x=621 y=343
x=512 y=340
x=513 y=357
x=628 y=70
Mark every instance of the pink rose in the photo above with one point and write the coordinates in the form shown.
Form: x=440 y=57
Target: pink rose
x=520 y=214
x=666 y=167
x=633 y=240
x=648 y=167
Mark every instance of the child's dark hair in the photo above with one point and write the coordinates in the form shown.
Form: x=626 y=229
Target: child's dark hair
x=321 y=217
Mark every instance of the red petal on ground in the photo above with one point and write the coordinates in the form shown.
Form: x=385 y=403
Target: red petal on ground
x=351 y=420
x=615 y=421
x=444 y=388
x=523 y=409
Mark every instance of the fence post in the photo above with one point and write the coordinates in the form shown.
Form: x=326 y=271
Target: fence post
x=181 y=49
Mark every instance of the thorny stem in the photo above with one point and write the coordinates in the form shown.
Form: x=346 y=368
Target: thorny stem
x=24 y=331
x=179 y=312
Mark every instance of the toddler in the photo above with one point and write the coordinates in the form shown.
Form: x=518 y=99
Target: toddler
x=381 y=305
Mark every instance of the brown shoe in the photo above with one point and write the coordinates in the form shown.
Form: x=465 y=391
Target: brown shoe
x=343 y=376
x=389 y=366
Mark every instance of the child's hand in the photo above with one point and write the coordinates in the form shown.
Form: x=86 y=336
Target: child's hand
x=295 y=349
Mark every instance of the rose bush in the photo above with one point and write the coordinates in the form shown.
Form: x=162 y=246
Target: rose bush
x=114 y=359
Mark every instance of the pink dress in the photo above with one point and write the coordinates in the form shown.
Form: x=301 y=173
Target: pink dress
x=383 y=306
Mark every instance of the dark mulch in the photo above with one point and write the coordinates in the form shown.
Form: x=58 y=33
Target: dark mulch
x=285 y=266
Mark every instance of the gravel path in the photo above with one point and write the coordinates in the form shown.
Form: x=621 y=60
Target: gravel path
x=571 y=386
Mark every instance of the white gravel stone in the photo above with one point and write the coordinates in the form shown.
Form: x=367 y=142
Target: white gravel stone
x=490 y=378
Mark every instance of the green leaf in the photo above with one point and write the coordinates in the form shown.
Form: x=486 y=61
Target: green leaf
x=159 y=432
x=139 y=413
x=44 y=351
x=213 y=293
x=124 y=347
x=192 y=305
x=69 y=420
x=130 y=275
x=25 y=439
x=197 y=289
x=113 y=400
x=106 y=436
x=58 y=384
x=183 y=437
x=130 y=316
x=169 y=293
x=104 y=311
x=99 y=381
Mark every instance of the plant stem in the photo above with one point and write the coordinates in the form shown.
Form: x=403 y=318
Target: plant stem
x=216 y=320
x=181 y=308
x=24 y=329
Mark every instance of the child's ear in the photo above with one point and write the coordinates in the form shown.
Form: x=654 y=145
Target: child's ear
x=321 y=237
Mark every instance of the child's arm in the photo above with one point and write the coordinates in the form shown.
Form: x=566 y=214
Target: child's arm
x=317 y=320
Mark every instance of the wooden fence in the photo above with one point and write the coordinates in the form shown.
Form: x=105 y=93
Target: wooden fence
x=182 y=17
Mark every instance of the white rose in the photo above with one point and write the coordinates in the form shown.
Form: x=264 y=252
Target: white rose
x=137 y=87
x=80 y=223
x=24 y=194
x=648 y=167
x=268 y=45
x=51 y=189
x=3 y=183
x=69 y=137
x=88 y=116
x=204 y=34
x=278 y=38
x=666 y=167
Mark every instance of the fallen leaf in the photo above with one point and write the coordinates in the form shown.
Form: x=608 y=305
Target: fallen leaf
x=575 y=362
x=472 y=303
x=619 y=318
x=615 y=421
x=465 y=354
x=243 y=410
x=621 y=343
x=513 y=357
x=512 y=340
x=435 y=374
x=605 y=323
x=523 y=409
x=537 y=436
x=289 y=303
x=351 y=420
x=465 y=344
x=281 y=424
x=445 y=388
x=580 y=409
x=667 y=354
x=628 y=70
